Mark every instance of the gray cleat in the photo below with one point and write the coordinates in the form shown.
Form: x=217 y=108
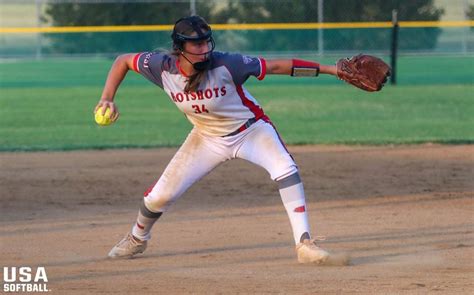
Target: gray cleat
x=127 y=247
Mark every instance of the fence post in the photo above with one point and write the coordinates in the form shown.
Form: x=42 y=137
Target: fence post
x=393 y=77
x=192 y=7
x=320 y=30
x=465 y=30
x=39 y=52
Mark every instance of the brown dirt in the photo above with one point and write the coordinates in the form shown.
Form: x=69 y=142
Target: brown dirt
x=404 y=214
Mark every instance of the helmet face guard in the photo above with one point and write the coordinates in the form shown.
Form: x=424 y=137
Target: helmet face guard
x=179 y=39
x=203 y=33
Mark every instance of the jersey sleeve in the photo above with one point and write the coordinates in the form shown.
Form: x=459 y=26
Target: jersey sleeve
x=151 y=65
x=242 y=67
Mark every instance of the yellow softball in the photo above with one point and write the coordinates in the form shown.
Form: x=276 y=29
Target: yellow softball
x=105 y=119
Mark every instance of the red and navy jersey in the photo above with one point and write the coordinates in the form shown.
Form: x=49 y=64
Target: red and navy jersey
x=222 y=104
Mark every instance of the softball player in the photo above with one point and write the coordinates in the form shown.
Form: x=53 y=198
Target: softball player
x=207 y=86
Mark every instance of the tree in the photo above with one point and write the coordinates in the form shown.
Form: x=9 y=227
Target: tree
x=337 y=11
x=103 y=14
x=470 y=12
x=245 y=11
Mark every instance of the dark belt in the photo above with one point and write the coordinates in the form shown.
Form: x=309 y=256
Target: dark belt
x=243 y=127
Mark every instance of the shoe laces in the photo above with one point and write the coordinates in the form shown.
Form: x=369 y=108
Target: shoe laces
x=311 y=243
x=129 y=241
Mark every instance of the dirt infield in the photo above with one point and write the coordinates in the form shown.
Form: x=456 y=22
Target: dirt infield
x=404 y=214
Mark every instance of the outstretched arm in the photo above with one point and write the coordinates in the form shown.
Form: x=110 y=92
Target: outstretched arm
x=119 y=69
x=288 y=66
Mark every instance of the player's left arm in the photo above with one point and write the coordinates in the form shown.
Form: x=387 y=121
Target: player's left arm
x=298 y=67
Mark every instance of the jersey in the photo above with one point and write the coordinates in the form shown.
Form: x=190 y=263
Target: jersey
x=221 y=104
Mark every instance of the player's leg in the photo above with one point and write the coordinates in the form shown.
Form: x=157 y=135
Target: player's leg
x=264 y=147
x=192 y=161
x=195 y=158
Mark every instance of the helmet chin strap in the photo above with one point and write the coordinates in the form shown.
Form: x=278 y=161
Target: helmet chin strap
x=198 y=66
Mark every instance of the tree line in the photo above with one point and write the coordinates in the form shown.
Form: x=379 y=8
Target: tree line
x=243 y=11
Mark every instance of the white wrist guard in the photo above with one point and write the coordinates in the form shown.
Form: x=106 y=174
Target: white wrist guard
x=302 y=68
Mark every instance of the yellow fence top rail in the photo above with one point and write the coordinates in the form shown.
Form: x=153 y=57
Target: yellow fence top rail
x=219 y=27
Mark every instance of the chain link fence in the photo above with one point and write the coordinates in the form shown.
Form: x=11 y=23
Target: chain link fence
x=318 y=41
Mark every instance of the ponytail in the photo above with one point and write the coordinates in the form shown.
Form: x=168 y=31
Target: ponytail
x=193 y=81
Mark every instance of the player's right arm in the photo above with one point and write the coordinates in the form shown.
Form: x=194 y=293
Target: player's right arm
x=117 y=73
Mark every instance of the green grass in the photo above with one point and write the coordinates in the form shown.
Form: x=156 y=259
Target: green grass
x=403 y=114
x=48 y=106
x=80 y=72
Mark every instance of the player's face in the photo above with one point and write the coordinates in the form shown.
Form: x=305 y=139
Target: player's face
x=197 y=51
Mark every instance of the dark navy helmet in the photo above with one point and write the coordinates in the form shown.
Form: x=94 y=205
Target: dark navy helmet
x=184 y=30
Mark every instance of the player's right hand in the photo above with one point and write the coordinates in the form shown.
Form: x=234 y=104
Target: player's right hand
x=105 y=104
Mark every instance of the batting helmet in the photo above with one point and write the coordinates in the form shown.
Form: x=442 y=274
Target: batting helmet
x=184 y=30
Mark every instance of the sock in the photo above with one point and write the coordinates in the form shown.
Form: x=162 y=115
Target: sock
x=292 y=196
x=145 y=221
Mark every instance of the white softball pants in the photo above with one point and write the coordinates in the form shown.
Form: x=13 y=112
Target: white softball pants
x=200 y=154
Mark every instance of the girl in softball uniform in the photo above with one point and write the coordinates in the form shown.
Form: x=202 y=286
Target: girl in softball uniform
x=207 y=86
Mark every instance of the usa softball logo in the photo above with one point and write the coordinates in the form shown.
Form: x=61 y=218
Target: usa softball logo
x=25 y=279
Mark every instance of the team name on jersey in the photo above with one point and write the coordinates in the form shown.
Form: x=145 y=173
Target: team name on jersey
x=207 y=93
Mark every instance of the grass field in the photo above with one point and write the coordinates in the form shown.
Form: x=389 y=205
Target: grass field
x=47 y=105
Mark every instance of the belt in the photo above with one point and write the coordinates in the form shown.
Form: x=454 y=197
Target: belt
x=243 y=127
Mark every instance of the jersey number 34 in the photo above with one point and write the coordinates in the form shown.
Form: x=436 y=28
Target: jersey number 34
x=199 y=109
